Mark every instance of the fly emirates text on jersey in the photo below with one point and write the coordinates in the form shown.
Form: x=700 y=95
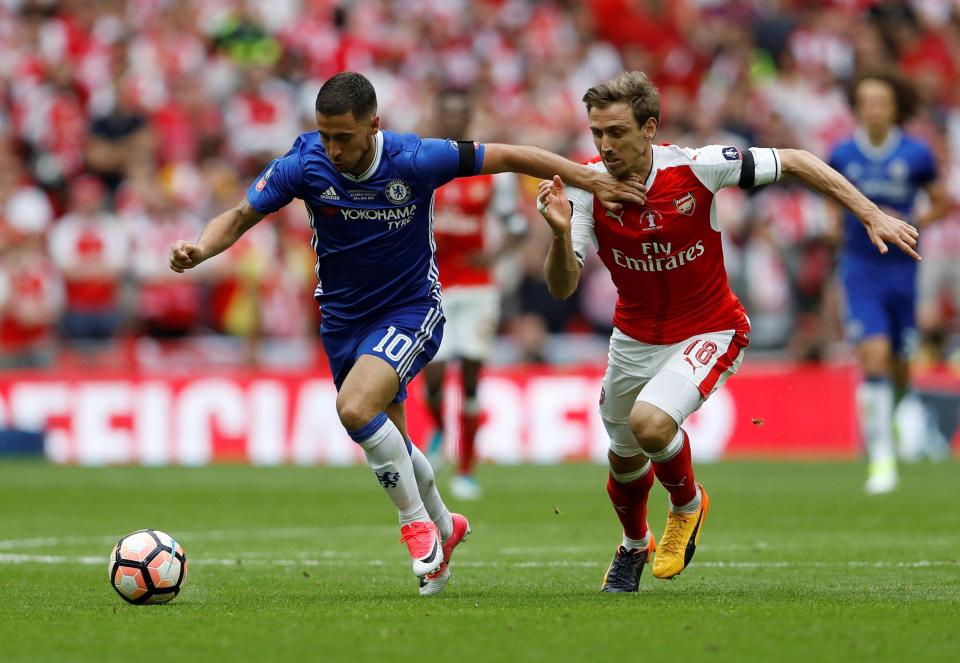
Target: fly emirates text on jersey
x=657 y=257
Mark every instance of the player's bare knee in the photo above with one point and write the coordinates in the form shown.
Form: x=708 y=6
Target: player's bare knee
x=353 y=411
x=625 y=464
x=876 y=357
x=652 y=427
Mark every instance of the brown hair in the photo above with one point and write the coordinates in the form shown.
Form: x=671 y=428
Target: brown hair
x=632 y=87
x=347 y=92
x=904 y=93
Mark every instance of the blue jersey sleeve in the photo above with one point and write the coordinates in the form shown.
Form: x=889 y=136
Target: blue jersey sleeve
x=279 y=183
x=438 y=161
x=925 y=166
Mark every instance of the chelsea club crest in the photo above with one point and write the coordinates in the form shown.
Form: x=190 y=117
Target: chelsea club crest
x=397 y=191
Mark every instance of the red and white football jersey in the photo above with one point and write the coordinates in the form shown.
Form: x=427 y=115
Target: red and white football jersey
x=91 y=252
x=31 y=296
x=665 y=257
x=462 y=209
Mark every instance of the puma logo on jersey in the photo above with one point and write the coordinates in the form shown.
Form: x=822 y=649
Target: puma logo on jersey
x=616 y=216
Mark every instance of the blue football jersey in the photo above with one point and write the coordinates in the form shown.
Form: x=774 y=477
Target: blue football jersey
x=373 y=233
x=891 y=175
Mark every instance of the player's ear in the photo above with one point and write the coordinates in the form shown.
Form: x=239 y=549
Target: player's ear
x=375 y=124
x=650 y=128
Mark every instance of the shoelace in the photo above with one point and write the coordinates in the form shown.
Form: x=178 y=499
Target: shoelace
x=419 y=534
x=672 y=540
x=620 y=568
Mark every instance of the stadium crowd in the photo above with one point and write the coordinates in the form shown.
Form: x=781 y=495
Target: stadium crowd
x=126 y=124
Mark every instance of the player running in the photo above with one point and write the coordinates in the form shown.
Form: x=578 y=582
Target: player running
x=369 y=198
x=679 y=331
x=469 y=243
x=891 y=169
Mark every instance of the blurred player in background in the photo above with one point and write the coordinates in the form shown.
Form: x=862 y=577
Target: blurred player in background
x=679 y=331
x=891 y=169
x=369 y=197
x=468 y=246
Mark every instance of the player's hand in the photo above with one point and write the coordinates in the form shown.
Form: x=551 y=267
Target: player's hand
x=184 y=255
x=882 y=228
x=553 y=205
x=612 y=193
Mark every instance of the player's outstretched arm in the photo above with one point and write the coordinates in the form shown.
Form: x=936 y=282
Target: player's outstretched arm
x=539 y=163
x=217 y=236
x=881 y=227
x=562 y=269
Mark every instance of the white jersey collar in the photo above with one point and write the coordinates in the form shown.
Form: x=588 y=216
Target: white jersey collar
x=881 y=151
x=654 y=154
x=368 y=173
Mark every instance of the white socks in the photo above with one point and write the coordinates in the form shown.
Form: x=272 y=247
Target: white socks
x=669 y=451
x=631 y=476
x=387 y=456
x=875 y=401
x=427 y=486
x=690 y=507
x=636 y=544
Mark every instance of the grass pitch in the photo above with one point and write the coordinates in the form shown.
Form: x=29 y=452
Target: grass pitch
x=304 y=564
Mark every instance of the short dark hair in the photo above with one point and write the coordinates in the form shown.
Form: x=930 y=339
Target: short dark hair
x=347 y=92
x=631 y=87
x=904 y=93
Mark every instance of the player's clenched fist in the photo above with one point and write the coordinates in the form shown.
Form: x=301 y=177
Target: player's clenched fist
x=553 y=205
x=184 y=255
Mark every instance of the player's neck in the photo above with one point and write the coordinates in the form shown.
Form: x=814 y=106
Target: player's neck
x=367 y=157
x=878 y=137
x=644 y=165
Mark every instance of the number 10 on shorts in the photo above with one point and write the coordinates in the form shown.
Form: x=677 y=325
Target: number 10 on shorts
x=393 y=344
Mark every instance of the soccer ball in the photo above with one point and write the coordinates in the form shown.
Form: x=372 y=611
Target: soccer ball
x=147 y=566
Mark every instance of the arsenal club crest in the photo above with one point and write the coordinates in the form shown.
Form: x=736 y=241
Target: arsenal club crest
x=686 y=204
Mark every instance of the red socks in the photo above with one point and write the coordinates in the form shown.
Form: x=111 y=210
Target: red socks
x=674 y=470
x=469 y=424
x=630 y=502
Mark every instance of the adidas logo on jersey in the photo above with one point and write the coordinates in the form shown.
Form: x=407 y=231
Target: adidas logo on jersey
x=329 y=194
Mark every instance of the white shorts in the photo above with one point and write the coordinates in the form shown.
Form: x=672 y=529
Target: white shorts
x=473 y=313
x=675 y=378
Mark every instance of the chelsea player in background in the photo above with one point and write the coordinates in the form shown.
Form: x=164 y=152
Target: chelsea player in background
x=369 y=198
x=891 y=168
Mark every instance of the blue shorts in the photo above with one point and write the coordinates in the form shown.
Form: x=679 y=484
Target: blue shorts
x=406 y=338
x=881 y=301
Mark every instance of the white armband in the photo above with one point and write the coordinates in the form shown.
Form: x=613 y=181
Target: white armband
x=766 y=166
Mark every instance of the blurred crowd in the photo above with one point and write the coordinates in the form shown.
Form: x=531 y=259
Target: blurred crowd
x=126 y=124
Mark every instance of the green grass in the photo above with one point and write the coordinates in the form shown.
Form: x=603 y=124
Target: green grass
x=304 y=564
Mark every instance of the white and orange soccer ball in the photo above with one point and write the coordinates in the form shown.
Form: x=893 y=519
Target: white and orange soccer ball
x=147 y=566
